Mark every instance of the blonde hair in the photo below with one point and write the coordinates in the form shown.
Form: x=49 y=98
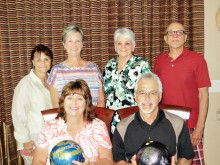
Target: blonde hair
x=72 y=27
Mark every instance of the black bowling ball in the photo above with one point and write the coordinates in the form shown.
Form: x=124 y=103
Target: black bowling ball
x=153 y=153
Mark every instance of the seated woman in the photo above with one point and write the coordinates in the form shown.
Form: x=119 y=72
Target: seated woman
x=76 y=121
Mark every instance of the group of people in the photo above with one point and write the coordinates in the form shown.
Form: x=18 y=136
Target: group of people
x=75 y=86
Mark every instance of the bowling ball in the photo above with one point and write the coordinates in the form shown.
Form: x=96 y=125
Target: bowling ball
x=64 y=152
x=153 y=153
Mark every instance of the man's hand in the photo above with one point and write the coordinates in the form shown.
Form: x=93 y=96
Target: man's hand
x=173 y=162
x=196 y=136
x=133 y=160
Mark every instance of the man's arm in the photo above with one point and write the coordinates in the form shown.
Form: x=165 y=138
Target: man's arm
x=184 y=147
x=118 y=149
x=122 y=162
x=203 y=110
x=183 y=161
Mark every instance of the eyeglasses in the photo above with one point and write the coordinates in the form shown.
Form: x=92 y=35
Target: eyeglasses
x=178 y=32
x=150 y=93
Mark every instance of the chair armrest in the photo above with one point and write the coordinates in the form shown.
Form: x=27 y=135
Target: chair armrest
x=181 y=111
x=49 y=114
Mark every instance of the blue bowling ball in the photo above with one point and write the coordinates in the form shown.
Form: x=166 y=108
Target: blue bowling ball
x=153 y=153
x=64 y=152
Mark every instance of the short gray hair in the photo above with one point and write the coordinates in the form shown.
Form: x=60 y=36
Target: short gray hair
x=72 y=27
x=125 y=32
x=152 y=76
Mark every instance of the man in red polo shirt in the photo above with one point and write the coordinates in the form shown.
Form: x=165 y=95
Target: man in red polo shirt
x=185 y=78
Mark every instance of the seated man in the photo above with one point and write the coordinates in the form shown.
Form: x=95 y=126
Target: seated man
x=151 y=123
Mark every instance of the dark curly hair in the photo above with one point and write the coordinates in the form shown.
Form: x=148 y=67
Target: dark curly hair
x=80 y=87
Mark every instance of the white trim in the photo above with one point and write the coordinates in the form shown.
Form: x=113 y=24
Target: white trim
x=215 y=86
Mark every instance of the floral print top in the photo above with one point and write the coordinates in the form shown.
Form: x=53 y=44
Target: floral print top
x=93 y=136
x=119 y=87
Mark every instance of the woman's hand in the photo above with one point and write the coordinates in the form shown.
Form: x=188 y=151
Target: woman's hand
x=86 y=162
x=29 y=147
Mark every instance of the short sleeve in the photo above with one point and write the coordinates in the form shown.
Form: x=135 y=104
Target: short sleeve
x=101 y=134
x=100 y=77
x=118 y=147
x=185 y=149
x=52 y=79
x=42 y=139
x=202 y=74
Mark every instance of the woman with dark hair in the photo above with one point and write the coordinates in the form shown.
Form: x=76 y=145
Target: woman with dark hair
x=31 y=96
x=76 y=121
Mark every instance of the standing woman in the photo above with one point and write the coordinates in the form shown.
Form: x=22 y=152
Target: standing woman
x=75 y=67
x=122 y=72
x=31 y=96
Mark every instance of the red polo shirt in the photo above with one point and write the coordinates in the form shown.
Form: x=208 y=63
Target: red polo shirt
x=181 y=79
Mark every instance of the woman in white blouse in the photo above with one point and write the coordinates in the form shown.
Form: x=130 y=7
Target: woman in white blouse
x=31 y=96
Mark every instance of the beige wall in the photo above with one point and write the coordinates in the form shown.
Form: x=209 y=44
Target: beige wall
x=212 y=55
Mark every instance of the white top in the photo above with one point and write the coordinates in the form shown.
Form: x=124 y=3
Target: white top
x=30 y=98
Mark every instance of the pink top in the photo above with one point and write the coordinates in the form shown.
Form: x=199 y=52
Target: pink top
x=92 y=137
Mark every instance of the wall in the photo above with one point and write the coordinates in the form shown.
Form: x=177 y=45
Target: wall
x=212 y=55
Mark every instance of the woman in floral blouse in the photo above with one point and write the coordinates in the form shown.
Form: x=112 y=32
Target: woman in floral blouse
x=122 y=72
x=76 y=121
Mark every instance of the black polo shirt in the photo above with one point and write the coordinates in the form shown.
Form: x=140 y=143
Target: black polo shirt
x=137 y=132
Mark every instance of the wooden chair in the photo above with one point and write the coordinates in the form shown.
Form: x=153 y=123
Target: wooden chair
x=10 y=153
x=181 y=111
x=49 y=114
x=125 y=112
x=104 y=114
